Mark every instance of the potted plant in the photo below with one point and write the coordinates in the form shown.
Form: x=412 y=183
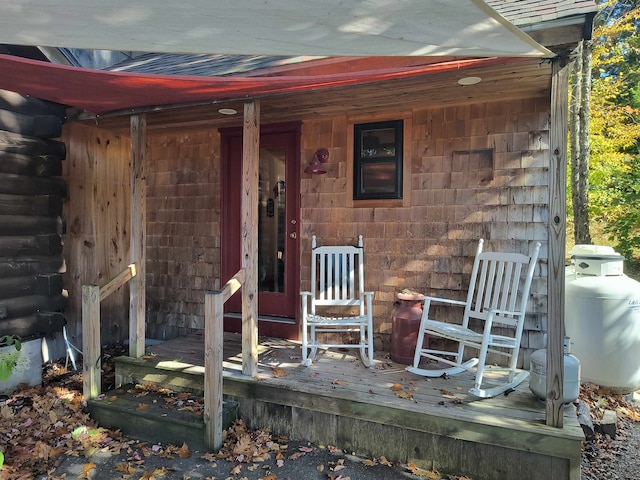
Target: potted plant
x=11 y=360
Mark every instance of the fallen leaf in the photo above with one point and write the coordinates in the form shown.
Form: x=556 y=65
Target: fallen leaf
x=87 y=468
x=396 y=387
x=340 y=382
x=184 y=451
x=403 y=394
x=278 y=372
x=142 y=406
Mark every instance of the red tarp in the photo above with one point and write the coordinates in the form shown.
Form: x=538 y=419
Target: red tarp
x=101 y=92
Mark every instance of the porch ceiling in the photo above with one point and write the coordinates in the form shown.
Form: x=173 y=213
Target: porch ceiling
x=273 y=27
x=501 y=80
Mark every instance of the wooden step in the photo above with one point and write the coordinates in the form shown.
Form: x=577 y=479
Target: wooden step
x=175 y=374
x=157 y=416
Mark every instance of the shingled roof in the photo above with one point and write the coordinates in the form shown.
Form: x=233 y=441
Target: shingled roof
x=528 y=12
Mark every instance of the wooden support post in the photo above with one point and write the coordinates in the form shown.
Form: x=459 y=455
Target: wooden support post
x=91 y=341
x=249 y=235
x=213 y=359
x=137 y=288
x=557 y=239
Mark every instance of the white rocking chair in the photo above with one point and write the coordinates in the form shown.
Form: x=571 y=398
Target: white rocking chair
x=337 y=281
x=497 y=297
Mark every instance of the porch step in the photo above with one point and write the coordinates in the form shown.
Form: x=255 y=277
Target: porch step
x=149 y=416
x=174 y=375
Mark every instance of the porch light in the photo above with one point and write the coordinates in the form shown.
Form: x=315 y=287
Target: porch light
x=469 y=80
x=315 y=166
x=227 y=111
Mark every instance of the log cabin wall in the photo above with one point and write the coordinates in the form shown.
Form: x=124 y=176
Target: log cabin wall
x=425 y=242
x=32 y=298
x=97 y=242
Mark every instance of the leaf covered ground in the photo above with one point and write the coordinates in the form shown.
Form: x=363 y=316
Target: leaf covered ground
x=605 y=457
x=45 y=433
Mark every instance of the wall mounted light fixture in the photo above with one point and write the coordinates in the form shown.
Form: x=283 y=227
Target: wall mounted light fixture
x=316 y=165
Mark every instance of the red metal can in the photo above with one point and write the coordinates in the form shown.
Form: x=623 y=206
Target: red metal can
x=404 y=328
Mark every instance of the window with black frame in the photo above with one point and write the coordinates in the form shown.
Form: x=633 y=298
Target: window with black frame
x=378 y=160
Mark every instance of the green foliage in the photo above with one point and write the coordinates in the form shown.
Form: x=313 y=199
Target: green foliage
x=614 y=173
x=9 y=340
x=619 y=200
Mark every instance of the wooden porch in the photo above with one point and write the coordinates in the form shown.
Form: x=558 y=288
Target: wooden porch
x=337 y=401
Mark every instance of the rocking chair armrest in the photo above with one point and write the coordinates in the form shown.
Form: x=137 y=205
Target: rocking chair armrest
x=305 y=294
x=428 y=300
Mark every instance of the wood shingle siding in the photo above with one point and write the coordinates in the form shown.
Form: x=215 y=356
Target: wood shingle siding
x=426 y=241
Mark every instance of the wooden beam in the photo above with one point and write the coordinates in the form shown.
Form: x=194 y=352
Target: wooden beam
x=137 y=288
x=91 y=341
x=557 y=239
x=213 y=360
x=249 y=235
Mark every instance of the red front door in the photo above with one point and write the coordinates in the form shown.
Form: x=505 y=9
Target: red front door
x=278 y=210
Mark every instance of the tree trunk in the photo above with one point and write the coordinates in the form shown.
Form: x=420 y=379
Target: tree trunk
x=580 y=159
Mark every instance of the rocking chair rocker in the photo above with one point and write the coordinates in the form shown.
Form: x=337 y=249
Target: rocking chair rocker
x=497 y=298
x=337 y=282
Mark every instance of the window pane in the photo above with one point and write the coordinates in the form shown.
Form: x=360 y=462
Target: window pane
x=378 y=178
x=379 y=143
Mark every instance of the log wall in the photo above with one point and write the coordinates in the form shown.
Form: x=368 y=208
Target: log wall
x=424 y=242
x=32 y=297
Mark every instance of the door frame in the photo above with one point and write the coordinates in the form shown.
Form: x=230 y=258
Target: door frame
x=268 y=324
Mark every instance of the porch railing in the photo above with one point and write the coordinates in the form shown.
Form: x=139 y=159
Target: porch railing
x=92 y=295
x=214 y=302
x=214 y=358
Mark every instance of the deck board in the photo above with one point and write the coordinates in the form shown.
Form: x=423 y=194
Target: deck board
x=332 y=368
x=338 y=395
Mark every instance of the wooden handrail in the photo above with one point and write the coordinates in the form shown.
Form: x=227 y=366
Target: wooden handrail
x=92 y=295
x=233 y=285
x=213 y=358
x=116 y=282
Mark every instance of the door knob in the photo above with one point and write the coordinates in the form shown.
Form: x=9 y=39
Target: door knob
x=293 y=235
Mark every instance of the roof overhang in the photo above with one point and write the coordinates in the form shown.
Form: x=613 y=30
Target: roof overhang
x=272 y=27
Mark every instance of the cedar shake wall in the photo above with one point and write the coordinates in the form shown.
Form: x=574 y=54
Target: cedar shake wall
x=429 y=243
x=424 y=242
x=183 y=229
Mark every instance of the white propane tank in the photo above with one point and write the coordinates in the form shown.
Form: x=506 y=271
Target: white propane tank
x=538 y=374
x=602 y=317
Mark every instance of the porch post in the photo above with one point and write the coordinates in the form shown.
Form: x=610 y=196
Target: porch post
x=137 y=287
x=249 y=232
x=91 y=364
x=557 y=239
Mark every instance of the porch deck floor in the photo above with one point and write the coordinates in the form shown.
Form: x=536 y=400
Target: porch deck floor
x=339 y=384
